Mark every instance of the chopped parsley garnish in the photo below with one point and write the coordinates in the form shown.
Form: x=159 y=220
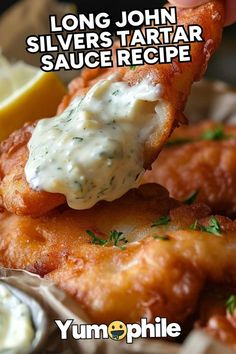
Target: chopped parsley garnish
x=191 y=198
x=196 y=226
x=96 y=240
x=214 y=134
x=163 y=220
x=231 y=304
x=116 y=238
x=211 y=134
x=178 y=141
x=163 y=238
x=213 y=228
x=78 y=138
x=132 y=67
x=115 y=92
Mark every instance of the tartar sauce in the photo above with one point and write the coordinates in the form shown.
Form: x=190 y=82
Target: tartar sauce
x=94 y=150
x=16 y=328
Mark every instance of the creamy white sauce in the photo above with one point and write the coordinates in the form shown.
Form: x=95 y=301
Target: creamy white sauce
x=16 y=329
x=94 y=150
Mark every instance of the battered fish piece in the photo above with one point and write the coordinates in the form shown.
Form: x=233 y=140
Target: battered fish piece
x=217 y=316
x=14 y=189
x=202 y=159
x=160 y=271
x=175 y=78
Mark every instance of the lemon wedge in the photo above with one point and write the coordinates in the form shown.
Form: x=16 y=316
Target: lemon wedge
x=26 y=94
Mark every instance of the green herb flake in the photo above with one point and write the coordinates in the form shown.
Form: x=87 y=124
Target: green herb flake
x=163 y=220
x=163 y=238
x=117 y=237
x=112 y=180
x=178 y=141
x=115 y=92
x=195 y=226
x=213 y=228
x=214 y=134
x=231 y=304
x=102 y=191
x=191 y=198
x=96 y=240
x=132 y=67
x=77 y=138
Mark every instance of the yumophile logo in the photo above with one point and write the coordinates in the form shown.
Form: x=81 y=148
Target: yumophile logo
x=118 y=330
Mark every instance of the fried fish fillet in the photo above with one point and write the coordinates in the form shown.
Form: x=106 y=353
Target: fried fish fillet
x=223 y=327
x=15 y=192
x=200 y=158
x=216 y=316
x=175 y=78
x=160 y=271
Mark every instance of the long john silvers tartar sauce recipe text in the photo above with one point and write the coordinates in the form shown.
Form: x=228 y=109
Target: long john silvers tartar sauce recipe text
x=161 y=41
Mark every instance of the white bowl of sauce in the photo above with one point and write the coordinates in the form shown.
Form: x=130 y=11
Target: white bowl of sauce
x=23 y=322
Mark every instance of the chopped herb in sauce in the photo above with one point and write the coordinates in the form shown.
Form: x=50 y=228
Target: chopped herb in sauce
x=107 y=131
x=163 y=220
x=163 y=238
x=115 y=92
x=191 y=198
x=102 y=191
x=213 y=228
x=70 y=113
x=80 y=187
x=112 y=180
x=77 y=138
x=132 y=67
x=231 y=304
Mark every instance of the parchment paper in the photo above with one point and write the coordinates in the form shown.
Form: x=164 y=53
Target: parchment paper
x=58 y=305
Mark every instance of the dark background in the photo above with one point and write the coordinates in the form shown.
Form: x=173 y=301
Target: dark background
x=223 y=65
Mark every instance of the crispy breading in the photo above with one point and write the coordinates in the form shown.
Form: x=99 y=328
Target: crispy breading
x=14 y=189
x=214 y=316
x=190 y=163
x=223 y=328
x=161 y=271
x=176 y=79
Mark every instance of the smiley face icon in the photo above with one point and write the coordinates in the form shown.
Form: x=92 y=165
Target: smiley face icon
x=117 y=330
